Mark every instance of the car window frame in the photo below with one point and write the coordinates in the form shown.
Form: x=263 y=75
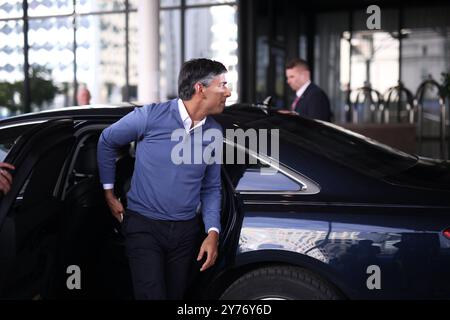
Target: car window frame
x=310 y=187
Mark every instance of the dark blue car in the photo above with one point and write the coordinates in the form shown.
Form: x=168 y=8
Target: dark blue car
x=340 y=217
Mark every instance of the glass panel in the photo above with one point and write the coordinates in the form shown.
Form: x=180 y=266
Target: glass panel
x=426 y=55
x=170 y=53
x=101 y=57
x=11 y=9
x=375 y=53
x=11 y=67
x=193 y=2
x=170 y=3
x=133 y=72
x=84 y=6
x=279 y=59
x=205 y=38
x=262 y=51
x=425 y=45
x=133 y=4
x=48 y=7
x=332 y=57
x=51 y=59
x=253 y=180
x=9 y=135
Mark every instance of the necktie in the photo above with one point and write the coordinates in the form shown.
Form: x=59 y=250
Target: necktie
x=294 y=103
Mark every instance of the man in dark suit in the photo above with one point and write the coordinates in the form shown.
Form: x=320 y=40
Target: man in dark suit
x=310 y=100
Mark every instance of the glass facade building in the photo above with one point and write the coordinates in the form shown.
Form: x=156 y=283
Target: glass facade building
x=87 y=43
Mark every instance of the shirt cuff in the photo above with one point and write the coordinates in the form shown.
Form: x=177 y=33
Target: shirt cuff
x=108 y=186
x=213 y=229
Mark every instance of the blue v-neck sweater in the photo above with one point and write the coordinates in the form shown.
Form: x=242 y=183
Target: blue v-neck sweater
x=161 y=189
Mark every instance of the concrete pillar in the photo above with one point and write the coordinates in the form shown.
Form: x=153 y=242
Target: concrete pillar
x=148 y=60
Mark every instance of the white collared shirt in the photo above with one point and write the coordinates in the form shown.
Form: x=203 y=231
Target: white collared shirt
x=187 y=121
x=303 y=89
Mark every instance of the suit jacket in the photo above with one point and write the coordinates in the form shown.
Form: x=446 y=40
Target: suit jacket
x=314 y=104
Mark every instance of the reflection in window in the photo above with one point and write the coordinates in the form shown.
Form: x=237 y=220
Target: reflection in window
x=262 y=65
x=100 y=51
x=425 y=45
x=170 y=53
x=328 y=57
x=425 y=55
x=374 y=60
x=53 y=55
x=10 y=9
x=375 y=53
x=279 y=58
x=133 y=47
x=9 y=136
x=11 y=50
x=84 y=6
x=254 y=180
x=48 y=8
x=212 y=33
x=169 y=3
x=101 y=56
x=194 y=2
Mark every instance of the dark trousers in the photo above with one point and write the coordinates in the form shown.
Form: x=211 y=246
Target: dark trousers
x=161 y=255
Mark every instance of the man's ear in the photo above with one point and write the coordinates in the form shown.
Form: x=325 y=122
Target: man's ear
x=198 y=87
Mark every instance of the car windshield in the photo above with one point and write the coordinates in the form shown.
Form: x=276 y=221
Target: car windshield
x=340 y=145
x=9 y=135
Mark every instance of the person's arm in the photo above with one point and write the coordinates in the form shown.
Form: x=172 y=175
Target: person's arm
x=5 y=177
x=128 y=129
x=211 y=198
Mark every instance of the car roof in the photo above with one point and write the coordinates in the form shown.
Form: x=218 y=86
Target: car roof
x=232 y=117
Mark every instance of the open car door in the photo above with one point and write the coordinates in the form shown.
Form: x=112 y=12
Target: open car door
x=29 y=213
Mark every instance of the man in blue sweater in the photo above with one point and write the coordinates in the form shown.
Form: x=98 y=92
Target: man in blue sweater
x=161 y=225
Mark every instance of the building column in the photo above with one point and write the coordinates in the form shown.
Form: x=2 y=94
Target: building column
x=148 y=61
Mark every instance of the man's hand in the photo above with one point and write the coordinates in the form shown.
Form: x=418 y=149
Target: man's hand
x=210 y=247
x=5 y=177
x=115 y=205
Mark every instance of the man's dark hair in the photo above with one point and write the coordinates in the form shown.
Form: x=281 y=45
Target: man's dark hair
x=297 y=63
x=197 y=70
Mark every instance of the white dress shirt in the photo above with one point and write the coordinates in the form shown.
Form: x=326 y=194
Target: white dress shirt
x=303 y=89
x=187 y=121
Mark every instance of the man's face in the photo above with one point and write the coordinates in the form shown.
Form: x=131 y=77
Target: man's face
x=216 y=94
x=296 y=77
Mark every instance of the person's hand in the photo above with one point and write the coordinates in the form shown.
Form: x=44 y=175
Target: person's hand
x=5 y=177
x=210 y=247
x=115 y=205
x=288 y=112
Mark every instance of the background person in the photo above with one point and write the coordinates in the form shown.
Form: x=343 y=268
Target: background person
x=310 y=101
x=83 y=96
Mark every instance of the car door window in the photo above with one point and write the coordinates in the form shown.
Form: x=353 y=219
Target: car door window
x=260 y=174
x=253 y=179
x=9 y=135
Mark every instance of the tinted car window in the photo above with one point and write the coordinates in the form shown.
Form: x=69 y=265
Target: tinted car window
x=253 y=180
x=9 y=135
x=338 y=144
